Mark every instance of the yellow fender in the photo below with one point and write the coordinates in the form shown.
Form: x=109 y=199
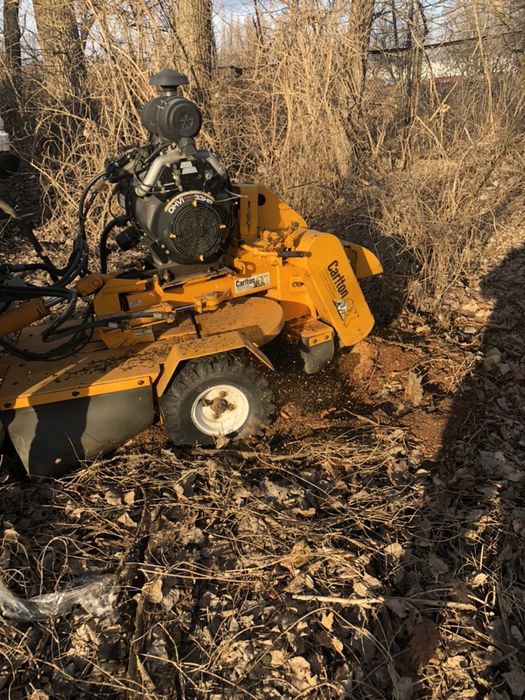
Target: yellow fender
x=205 y=347
x=364 y=262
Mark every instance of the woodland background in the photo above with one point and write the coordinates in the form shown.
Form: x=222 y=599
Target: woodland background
x=398 y=123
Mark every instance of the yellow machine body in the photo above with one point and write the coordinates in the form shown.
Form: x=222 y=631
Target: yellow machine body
x=313 y=276
x=278 y=275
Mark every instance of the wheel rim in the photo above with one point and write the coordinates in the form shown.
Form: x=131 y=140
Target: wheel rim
x=220 y=410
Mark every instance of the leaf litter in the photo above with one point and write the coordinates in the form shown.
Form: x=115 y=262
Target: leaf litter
x=370 y=545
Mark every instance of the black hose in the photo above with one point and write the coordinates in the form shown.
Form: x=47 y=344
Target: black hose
x=103 y=249
x=27 y=229
x=32 y=292
x=51 y=330
x=30 y=267
x=76 y=266
x=10 y=293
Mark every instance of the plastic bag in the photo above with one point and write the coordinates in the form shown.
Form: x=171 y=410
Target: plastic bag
x=95 y=594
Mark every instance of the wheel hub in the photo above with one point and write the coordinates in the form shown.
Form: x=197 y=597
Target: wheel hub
x=220 y=410
x=219 y=405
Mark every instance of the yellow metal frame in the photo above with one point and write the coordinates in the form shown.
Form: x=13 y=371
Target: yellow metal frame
x=312 y=275
x=98 y=370
x=278 y=274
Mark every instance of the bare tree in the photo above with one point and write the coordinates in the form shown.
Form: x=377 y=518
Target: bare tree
x=257 y=23
x=195 y=40
x=359 y=30
x=12 y=36
x=61 y=48
x=416 y=32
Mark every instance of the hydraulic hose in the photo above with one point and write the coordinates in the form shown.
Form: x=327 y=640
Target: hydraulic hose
x=103 y=245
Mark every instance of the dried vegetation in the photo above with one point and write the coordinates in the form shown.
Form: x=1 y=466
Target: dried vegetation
x=426 y=174
x=370 y=546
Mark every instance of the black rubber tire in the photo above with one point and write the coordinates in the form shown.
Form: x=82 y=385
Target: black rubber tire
x=198 y=375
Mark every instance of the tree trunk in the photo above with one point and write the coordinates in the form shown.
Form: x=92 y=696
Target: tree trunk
x=415 y=41
x=359 y=30
x=258 y=24
x=195 y=40
x=61 y=48
x=12 y=36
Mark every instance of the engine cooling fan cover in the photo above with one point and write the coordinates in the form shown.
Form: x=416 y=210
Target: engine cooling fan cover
x=196 y=229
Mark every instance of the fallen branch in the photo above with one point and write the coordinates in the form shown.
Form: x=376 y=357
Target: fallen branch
x=384 y=600
x=245 y=454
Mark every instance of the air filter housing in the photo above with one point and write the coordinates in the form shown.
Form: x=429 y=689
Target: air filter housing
x=190 y=228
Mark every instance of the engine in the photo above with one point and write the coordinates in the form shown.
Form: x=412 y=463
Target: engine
x=178 y=199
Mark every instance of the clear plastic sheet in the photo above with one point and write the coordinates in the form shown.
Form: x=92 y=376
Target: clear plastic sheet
x=95 y=594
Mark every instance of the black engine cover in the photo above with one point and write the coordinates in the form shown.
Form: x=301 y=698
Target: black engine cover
x=191 y=227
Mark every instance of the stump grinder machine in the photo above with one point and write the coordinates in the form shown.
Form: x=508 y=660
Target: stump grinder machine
x=177 y=338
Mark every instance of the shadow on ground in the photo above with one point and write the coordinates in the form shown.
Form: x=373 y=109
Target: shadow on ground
x=467 y=535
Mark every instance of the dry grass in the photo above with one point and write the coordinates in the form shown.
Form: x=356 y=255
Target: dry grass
x=333 y=568
x=233 y=541
x=427 y=197
x=338 y=557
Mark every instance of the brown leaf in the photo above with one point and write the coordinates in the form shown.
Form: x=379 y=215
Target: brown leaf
x=126 y=521
x=38 y=695
x=299 y=583
x=479 y=580
x=394 y=550
x=112 y=498
x=424 y=642
x=327 y=620
x=455 y=662
x=298 y=557
x=152 y=591
x=337 y=644
x=239 y=494
x=129 y=498
x=361 y=590
x=329 y=641
x=277 y=657
x=303 y=672
x=309 y=513
x=10 y=535
x=371 y=581
x=221 y=441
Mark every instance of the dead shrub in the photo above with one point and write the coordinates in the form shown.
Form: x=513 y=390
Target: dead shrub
x=427 y=196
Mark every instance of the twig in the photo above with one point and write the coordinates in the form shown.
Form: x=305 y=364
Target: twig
x=245 y=454
x=368 y=602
